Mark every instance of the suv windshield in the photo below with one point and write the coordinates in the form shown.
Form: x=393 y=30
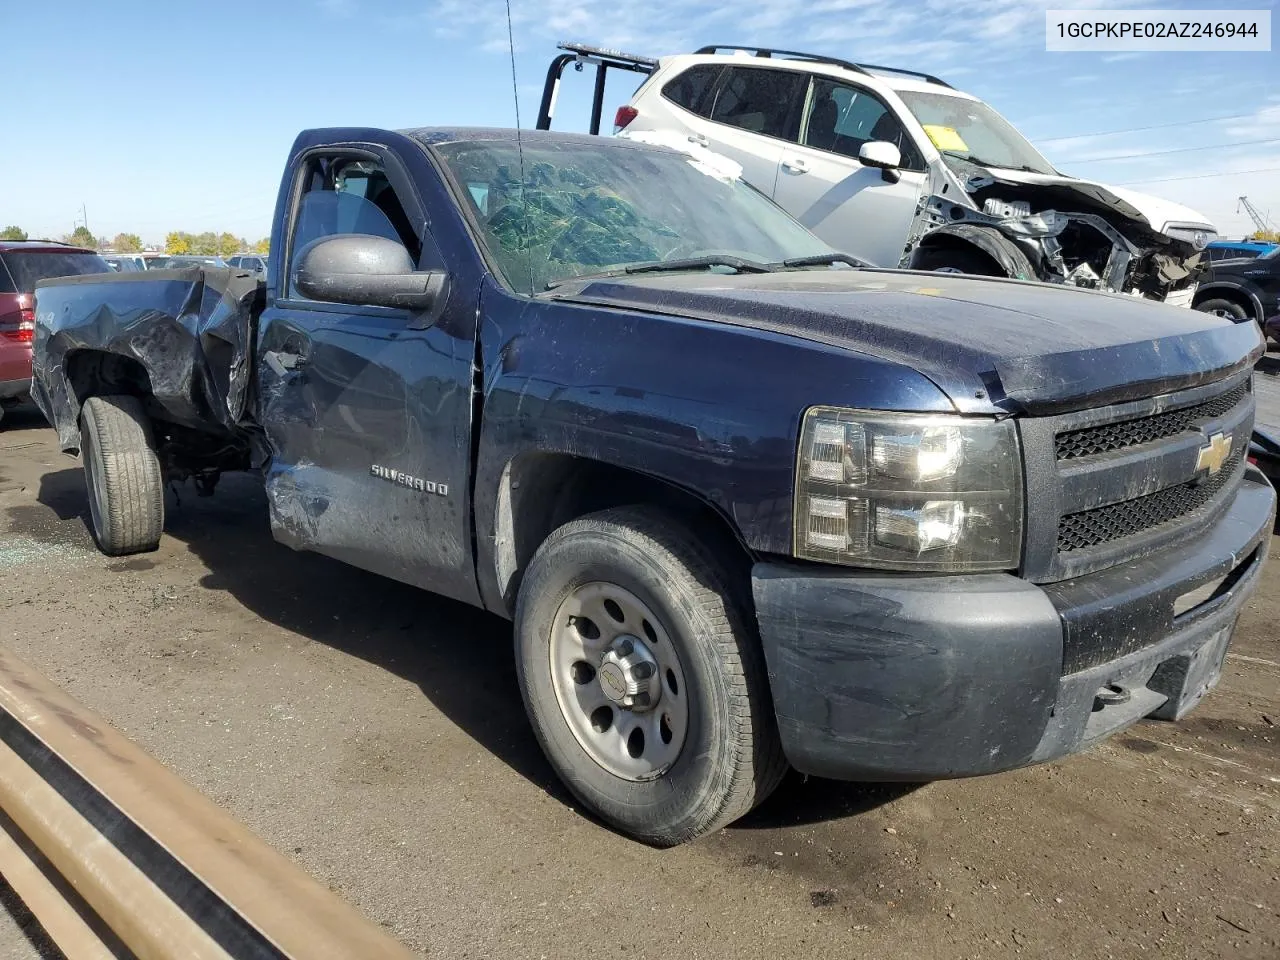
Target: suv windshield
x=27 y=267
x=584 y=208
x=971 y=130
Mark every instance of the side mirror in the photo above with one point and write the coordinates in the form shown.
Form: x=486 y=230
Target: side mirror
x=364 y=270
x=883 y=155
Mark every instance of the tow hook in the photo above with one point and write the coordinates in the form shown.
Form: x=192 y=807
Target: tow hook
x=1110 y=695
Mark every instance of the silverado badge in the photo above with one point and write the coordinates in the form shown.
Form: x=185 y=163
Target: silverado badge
x=405 y=480
x=1214 y=454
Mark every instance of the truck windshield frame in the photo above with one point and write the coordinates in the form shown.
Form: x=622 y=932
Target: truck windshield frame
x=587 y=208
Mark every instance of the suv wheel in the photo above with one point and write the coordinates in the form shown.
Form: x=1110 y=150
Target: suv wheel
x=642 y=677
x=122 y=475
x=1224 y=308
x=956 y=260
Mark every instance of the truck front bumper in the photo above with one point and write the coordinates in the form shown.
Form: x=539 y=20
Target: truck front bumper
x=881 y=676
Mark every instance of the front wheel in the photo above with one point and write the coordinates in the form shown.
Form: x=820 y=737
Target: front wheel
x=642 y=677
x=956 y=260
x=1227 y=309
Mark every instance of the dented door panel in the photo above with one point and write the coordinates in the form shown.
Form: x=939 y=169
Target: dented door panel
x=369 y=401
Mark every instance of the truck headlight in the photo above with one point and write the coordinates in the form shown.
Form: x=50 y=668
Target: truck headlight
x=908 y=492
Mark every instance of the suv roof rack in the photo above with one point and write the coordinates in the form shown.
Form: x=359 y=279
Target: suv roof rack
x=770 y=52
x=580 y=54
x=927 y=77
x=863 y=68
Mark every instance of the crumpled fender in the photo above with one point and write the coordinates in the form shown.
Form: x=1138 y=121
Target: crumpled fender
x=990 y=241
x=190 y=330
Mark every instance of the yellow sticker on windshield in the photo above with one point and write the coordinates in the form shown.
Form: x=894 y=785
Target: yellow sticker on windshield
x=945 y=138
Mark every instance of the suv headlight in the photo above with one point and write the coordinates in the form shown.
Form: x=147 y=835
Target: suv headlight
x=908 y=492
x=1198 y=237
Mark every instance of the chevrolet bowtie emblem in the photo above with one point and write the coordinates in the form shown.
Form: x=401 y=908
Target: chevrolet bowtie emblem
x=1214 y=454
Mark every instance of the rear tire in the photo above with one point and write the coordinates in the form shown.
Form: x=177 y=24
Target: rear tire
x=122 y=475
x=627 y=567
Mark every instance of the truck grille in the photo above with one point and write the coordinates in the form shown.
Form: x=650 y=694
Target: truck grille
x=1129 y=433
x=1108 y=485
x=1092 y=527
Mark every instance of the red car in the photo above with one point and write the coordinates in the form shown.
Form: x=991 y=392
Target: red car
x=22 y=264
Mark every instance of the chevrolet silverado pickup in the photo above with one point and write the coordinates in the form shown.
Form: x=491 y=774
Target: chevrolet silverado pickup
x=748 y=504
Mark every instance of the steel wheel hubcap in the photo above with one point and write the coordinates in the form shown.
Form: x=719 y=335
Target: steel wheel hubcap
x=619 y=681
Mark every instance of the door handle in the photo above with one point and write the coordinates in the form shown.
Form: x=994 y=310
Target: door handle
x=282 y=362
x=796 y=164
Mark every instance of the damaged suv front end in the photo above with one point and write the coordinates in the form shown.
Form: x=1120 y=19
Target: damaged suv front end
x=1002 y=204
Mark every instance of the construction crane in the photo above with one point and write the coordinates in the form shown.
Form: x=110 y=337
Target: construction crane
x=1254 y=214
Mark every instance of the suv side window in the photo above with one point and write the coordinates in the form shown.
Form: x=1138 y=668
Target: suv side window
x=842 y=118
x=345 y=194
x=760 y=100
x=692 y=88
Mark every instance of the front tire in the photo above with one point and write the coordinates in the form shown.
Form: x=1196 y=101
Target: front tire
x=956 y=260
x=122 y=475
x=643 y=678
x=1224 y=308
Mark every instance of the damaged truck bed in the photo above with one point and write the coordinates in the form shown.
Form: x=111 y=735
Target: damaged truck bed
x=179 y=338
x=747 y=506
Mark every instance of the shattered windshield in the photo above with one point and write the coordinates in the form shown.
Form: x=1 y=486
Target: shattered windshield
x=585 y=208
x=971 y=130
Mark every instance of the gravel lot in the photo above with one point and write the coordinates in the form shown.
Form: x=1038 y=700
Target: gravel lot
x=374 y=733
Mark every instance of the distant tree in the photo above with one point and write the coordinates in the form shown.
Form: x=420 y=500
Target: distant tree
x=81 y=237
x=13 y=233
x=177 y=242
x=263 y=246
x=126 y=243
x=229 y=243
x=205 y=244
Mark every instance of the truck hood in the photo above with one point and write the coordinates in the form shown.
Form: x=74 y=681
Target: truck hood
x=1023 y=347
x=1155 y=212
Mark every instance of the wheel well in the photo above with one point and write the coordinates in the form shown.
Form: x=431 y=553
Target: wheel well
x=950 y=242
x=92 y=373
x=540 y=492
x=1238 y=297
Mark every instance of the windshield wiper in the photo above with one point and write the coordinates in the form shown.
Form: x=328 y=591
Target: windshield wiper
x=818 y=260
x=739 y=264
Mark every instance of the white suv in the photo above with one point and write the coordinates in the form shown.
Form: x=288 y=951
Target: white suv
x=900 y=169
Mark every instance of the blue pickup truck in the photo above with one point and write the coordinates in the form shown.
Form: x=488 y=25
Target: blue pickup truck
x=748 y=503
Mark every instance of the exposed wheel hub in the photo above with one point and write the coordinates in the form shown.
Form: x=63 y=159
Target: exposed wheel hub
x=628 y=675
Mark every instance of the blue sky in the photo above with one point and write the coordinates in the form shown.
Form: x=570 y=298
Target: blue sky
x=167 y=116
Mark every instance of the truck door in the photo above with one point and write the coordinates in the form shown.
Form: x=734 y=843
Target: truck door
x=822 y=184
x=367 y=409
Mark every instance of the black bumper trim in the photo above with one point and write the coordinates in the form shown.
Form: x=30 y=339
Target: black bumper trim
x=1129 y=607
x=898 y=677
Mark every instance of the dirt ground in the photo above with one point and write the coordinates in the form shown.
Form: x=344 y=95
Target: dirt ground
x=375 y=734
